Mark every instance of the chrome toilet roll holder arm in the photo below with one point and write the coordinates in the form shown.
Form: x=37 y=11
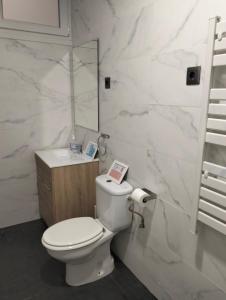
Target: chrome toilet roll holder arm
x=134 y=212
x=151 y=196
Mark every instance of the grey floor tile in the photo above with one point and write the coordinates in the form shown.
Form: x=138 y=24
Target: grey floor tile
x=27 y=272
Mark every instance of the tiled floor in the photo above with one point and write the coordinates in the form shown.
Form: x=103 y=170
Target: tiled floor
x=28 y=273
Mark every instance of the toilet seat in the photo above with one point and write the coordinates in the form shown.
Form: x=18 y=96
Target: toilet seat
x=72 y=234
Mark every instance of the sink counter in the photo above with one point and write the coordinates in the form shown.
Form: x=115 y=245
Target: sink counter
x=62 y=157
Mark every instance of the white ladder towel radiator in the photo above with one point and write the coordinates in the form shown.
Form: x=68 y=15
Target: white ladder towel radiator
x=210 y=207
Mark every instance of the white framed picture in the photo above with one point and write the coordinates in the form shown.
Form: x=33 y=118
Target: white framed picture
x=91 y=150
x=117 y=171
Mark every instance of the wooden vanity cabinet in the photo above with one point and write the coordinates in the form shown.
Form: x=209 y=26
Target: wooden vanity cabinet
x=66 y=192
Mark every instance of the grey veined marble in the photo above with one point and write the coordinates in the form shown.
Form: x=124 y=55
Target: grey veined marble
x=35 y=114
x=154 y=121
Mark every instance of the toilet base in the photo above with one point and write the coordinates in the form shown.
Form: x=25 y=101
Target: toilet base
x=93 y=267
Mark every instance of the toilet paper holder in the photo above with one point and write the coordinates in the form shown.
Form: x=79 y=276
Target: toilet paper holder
x=152 y=195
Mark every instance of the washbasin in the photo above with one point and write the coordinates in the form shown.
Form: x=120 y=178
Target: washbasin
x=67 y=154
x=62 y=157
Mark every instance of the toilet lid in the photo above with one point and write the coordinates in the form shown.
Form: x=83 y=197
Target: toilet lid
x=73 y=232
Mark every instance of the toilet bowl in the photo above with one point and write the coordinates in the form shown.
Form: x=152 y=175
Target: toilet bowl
x=84 y=243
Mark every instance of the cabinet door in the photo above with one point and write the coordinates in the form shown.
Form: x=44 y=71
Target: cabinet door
x=74 y=190
x=45 y=203
x=44 y=183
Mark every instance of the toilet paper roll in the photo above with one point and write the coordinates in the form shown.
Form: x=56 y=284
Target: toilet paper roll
x=138 y=196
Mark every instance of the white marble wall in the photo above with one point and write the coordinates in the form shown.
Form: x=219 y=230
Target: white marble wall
x=35 y=114
x=153 y=119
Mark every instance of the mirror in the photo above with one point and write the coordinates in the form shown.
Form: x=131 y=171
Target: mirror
x=85 y=85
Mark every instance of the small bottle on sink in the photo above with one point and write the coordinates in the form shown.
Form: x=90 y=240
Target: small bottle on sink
x=75 y=147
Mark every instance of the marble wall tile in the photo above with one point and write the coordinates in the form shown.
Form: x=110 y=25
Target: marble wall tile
x=173 y=254
x=136 y=44
x=19 y=200
x=153 y=119
x=35 y=114
x=169 y=130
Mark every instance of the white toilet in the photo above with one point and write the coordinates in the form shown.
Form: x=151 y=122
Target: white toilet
x=84 y=243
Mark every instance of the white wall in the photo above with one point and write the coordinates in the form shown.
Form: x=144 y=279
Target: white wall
x=35 y=114
x=153 y=119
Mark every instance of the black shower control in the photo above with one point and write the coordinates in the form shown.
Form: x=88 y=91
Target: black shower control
x=107 y=82
x=193 y=75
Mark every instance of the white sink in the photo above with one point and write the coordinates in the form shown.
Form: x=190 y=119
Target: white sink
x=62 y=157
x=66 y=154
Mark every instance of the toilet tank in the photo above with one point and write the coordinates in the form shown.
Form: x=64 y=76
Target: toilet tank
x=112 y=203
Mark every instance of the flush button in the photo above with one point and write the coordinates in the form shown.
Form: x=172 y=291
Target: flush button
x=193 y=75
x=109 y=180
